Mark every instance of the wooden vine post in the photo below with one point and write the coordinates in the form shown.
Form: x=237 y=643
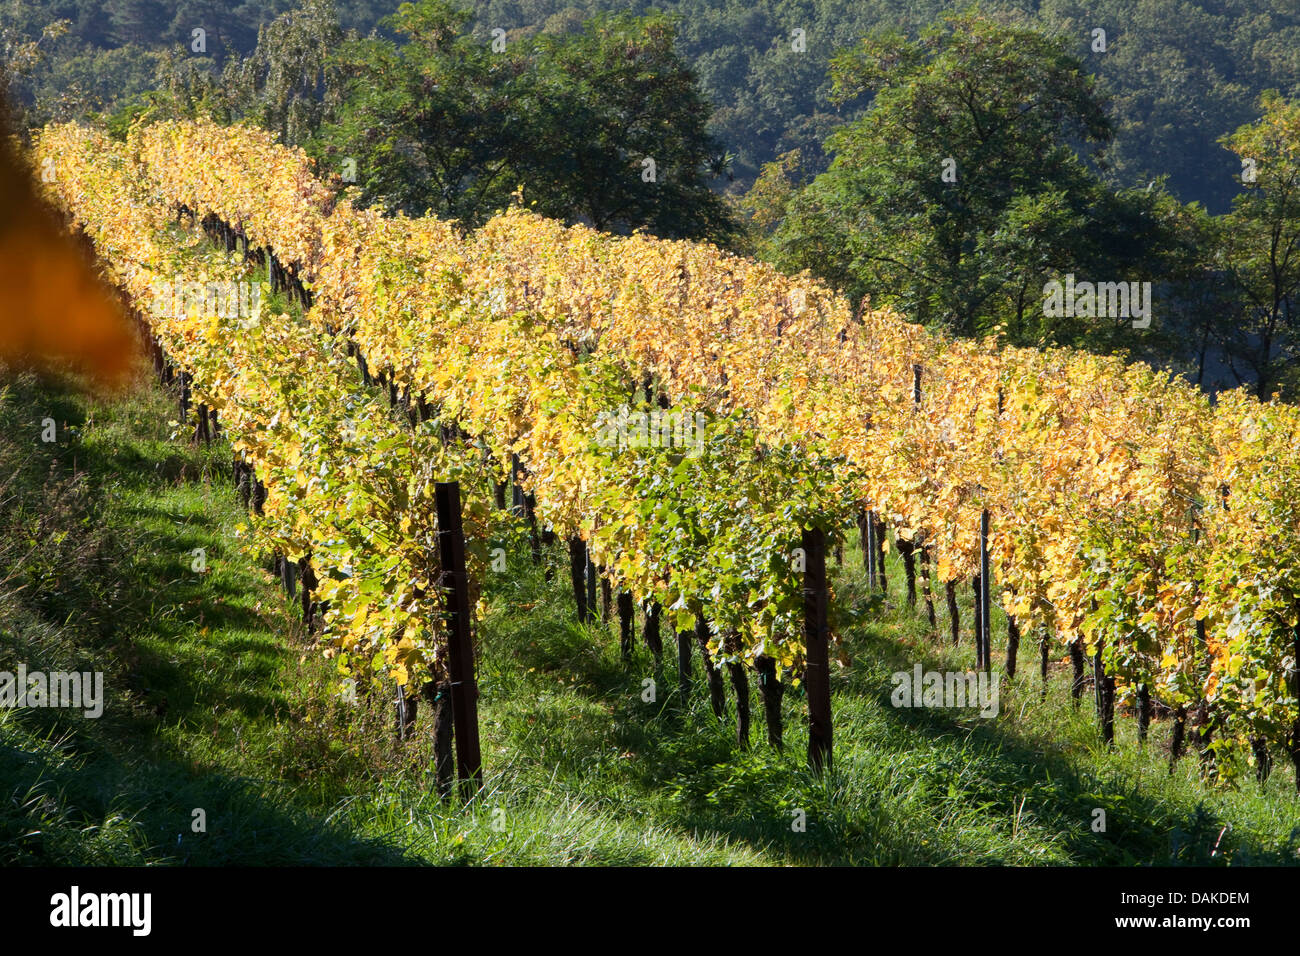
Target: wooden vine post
x=625 y=620
x=577 y=575
x=653 y=638
x=986 y=582
x=712 y=674
x=1293 y=743
x=985 y=652
x=1200 y=715
x=817 y=677
x=685 y=640
x=1013 y=644
x=954 y=614
x=881 y=580
x=867 y=538
x=460 y=647
x=591 y=584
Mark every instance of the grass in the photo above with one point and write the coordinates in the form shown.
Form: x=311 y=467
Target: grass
x=218 y=702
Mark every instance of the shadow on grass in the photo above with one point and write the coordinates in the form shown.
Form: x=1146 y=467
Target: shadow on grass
x=180 y=651
x=92 y=808
x=685 y=764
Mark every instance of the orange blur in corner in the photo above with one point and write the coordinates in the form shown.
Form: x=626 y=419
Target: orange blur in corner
x=54 y=311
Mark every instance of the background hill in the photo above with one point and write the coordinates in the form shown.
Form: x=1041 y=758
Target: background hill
x=1180 y=73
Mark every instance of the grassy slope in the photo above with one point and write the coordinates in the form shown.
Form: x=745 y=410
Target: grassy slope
x=217 y=701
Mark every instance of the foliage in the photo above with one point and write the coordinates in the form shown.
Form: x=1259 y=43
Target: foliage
x=1261 y=246
x=526 y=331
x=446 y=123
x=958 y=191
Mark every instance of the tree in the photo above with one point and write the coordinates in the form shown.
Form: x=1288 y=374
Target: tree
x=958 y=191
x=290 y=83
x=1177 y=73
x=190 y=87
x=441 y=123
x=795 y=227
x=1262 y=246
x=454 y=123
x=630 y=146
x=19 y=56
x=141 y=22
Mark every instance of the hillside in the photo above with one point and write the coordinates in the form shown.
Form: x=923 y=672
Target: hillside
x=1179 y=73
x=218 y=701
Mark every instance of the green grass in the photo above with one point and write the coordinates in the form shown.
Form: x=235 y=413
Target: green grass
x=218 y=701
